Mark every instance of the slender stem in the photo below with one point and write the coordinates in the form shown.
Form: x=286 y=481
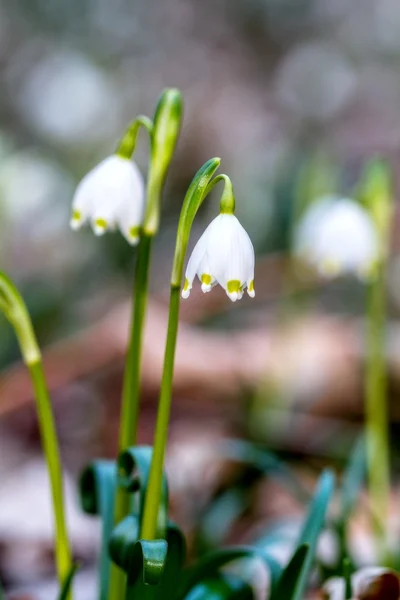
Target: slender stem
x=51 y=451
x=376 y=409
x=131 y=393
x=153 y=492
x=131 y=384
x=195 y=195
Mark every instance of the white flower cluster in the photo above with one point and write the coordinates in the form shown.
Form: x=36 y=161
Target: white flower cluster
x=224 y=254
x=337 y=235
x=111 y=196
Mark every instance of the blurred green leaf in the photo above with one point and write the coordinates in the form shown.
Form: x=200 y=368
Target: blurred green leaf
x=97 y=487
x=312 y=527
x=210 y=565
x=291 y=575
x=225 y=587
x=267 y=462
x=63 y=595
x=347 y=569
x=353 y=479
x=133 y=475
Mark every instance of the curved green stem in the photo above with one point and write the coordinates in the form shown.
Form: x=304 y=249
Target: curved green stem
x=126 y=146
x=15 y=310
x=163 y=136
x=377 y=427
x=51 y=451
x=376 y=190
x=196 y=194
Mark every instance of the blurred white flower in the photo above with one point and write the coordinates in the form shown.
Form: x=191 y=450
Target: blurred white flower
x=224 y=254
x=111 y=196
x=66 y=97
x=337 y=235
x=362 y=581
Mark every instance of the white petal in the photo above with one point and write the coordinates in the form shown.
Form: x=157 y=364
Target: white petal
x=230 y=253
x=194 y=263
x=337 y=235
x=132 y=205
x=111 y=194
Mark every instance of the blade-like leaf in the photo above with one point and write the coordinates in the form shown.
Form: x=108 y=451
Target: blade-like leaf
x=210 y=565
x=312 y=528
x=133 y=475
x=267 y=463
x=353 y=479
x=289 y=580
x=225 y=587
x=64 y=592
x=97 y=491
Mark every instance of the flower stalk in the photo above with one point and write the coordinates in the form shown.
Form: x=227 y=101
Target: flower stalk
x=163 y=138
x=198 y=190
x=14 y=309
x=377 y=195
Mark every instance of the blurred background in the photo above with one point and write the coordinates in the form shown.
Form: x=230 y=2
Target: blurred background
x=295 y=96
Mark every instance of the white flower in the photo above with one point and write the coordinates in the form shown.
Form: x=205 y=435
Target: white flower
x=337 y=235
x=111 y=195
x=361 y=580
x=224 y=254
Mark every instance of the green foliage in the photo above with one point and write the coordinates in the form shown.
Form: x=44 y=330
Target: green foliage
x=155 y=568
x=66 y=588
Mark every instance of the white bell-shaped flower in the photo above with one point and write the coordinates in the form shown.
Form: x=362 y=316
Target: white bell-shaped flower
x=337 y=235
x=224 y=254
x=111 y=196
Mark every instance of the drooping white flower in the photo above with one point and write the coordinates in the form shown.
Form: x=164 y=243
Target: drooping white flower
x=337 y=235
x=111 y=196
x=224 y=254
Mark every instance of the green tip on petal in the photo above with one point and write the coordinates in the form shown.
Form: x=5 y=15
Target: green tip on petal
x=134 y=235
x=206 y=281
x=234 y=289
x=76 y=219
x=186 y=289
x=100 y=226
x=250 y=289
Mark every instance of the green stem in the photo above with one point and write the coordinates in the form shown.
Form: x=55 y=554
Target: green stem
x=131 y=393
x=51 y=451
x=153 y=493
x=131 y=384
x=377 y=411
x=198 y=190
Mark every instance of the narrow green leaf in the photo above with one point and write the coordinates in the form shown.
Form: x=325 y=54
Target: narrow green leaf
x=164 y=576
x=97 y=487
x=133 y=475
x=353 y=479
x=210 y=565
x=347 y=578
x=225 y=587
x=289 y=580
x=64 y=592
x=267 y=462
x=312 y=528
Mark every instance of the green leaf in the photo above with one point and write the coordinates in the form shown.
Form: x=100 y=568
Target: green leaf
x=267 y=462
x=133 y=475
x=97 y=487
x=289 y=580
x=210 y=565
x=353 y=479
x=347 y=569
x=225 y=587
x=312 y=528
x=153 y=567
x=63 y=595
